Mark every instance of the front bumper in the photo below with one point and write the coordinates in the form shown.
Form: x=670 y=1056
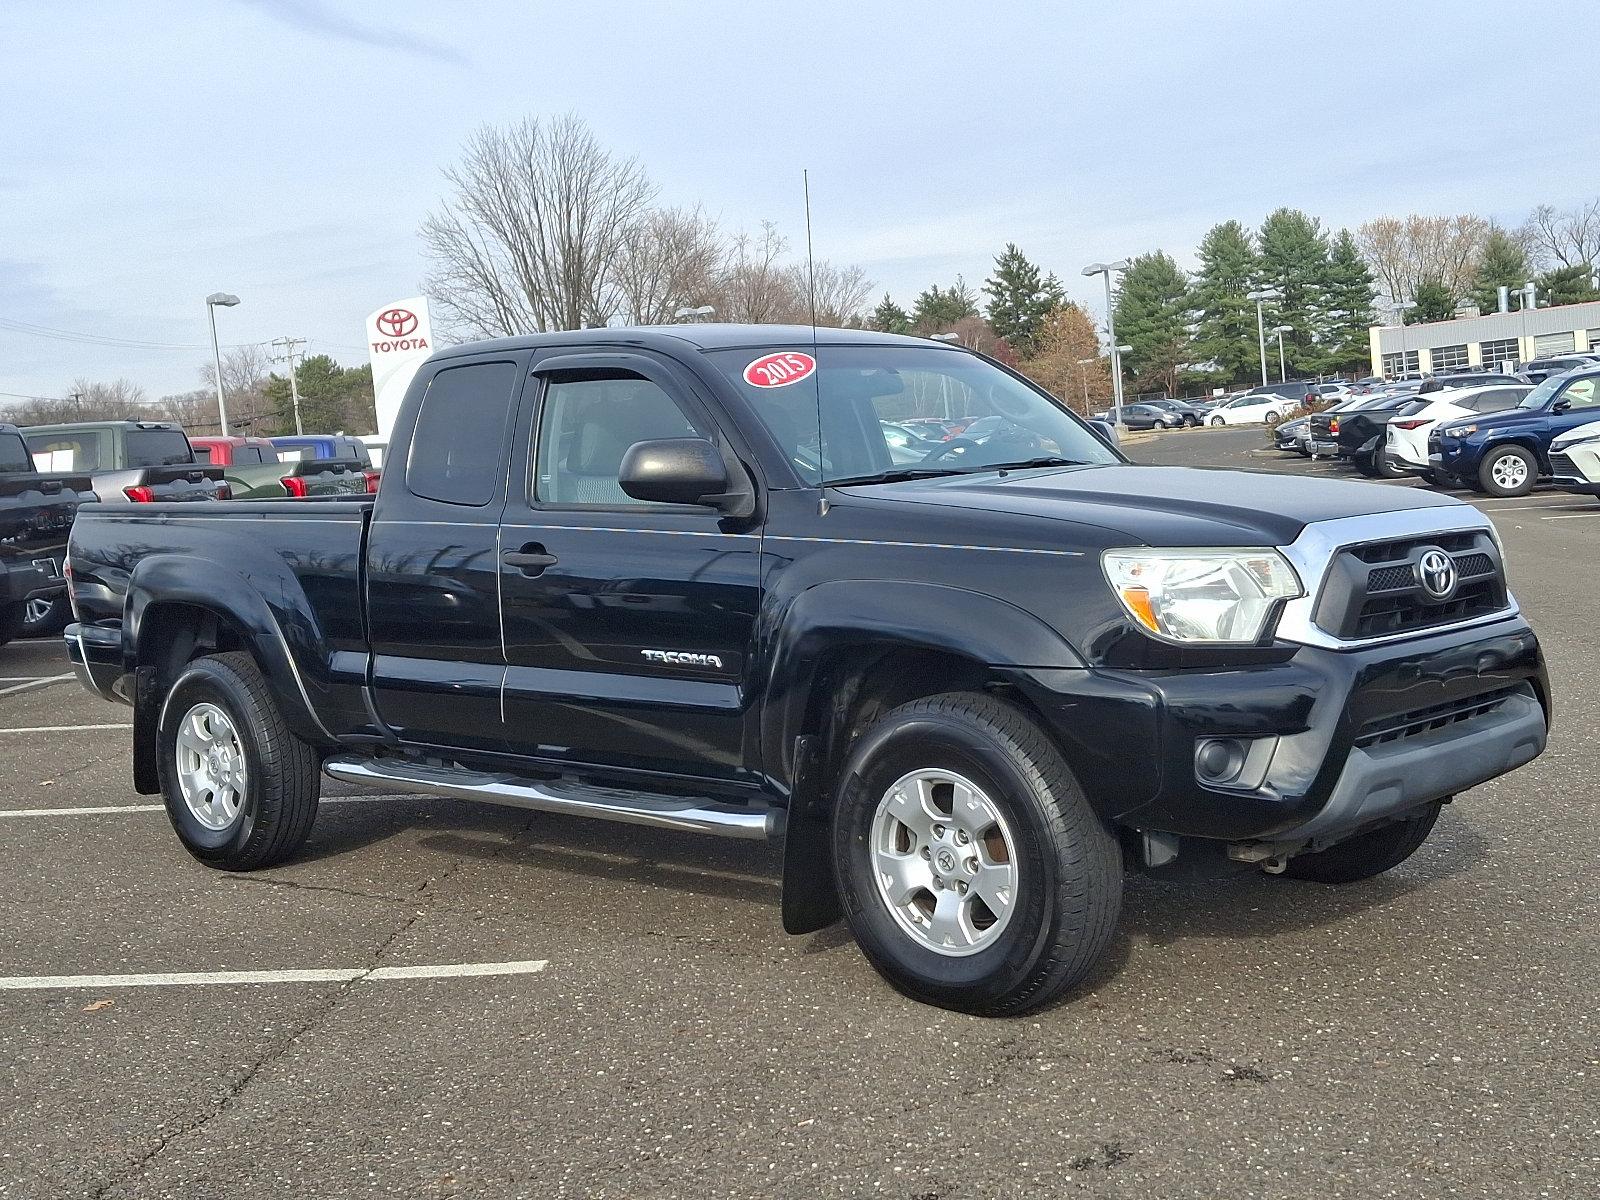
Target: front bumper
x=1328 y=718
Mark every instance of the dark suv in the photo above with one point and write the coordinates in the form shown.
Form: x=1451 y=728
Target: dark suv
x=1506 y=453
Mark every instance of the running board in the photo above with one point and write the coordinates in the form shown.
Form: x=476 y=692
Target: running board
x=689 y=814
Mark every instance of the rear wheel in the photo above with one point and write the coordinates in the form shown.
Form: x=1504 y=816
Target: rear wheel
x=1509 y=471
x=974 y=873
x=241 y=790
x=1366 y=854
x=1272 y=418
x=47 y=616
x=1384 y=466
x=1365 y=465
x=1218 y=421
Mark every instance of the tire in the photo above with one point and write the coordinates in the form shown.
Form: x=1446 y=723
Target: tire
x=1384 y=466
x=1366 y=854
x=1508 y=471
x=1366 y=465
x=41 y=618
x=1439 y=479
x=1161 y=423
x=1271 y=418
x=1064 y=885
x=277 y=803
x=11 y=618
x=1218 y=421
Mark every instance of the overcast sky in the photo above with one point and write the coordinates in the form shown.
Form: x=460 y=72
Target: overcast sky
x=287 y=150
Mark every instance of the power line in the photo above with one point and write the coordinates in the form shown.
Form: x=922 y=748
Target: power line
x=13 y=325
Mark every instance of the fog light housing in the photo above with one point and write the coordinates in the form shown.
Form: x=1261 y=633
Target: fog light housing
x=1235 y=764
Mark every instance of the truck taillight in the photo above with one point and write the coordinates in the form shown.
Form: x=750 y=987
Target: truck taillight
x=224 y=491
x=140 y=494
x=295 y=486
x=1333 y=425
x=372 y=481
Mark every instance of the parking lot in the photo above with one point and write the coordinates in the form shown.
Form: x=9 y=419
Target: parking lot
x=440 y=999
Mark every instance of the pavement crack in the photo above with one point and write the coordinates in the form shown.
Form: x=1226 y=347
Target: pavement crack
x=297 y=885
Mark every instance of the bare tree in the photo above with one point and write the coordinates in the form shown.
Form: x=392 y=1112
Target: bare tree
x=195 y=411
x=533 y=234
x=1565 y=239
x=245 y=372
x=1404 y=252
x=840 y=293
x=755 y=286
x=669 y=258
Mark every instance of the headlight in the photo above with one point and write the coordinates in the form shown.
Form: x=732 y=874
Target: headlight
x=1186 y=595
x=1461 y=430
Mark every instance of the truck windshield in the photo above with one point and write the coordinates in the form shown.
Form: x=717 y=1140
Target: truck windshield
x=157 y=448
x=987 y=417
x=14 y=454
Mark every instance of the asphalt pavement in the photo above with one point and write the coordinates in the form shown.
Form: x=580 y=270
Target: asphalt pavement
x=649 y=1030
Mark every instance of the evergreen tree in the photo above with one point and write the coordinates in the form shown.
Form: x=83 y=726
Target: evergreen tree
x=1294 y=260
x=1019 y=299
x=1152 y=312
x=1227 y=320
x=332 y=399
x=1504 y=263
x=1431 y=301
x=1567 y=285
x=889 y=317
x=939 y=308
x=1348 y=311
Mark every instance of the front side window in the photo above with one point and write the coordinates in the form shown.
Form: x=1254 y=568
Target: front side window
x=57 y=452
x=459 y=445
x=828 y=418
x=1583 y=393
x=587 y=423
x=14 y=454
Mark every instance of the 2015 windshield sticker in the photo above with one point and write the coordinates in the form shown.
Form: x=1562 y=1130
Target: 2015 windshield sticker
x=779 y=370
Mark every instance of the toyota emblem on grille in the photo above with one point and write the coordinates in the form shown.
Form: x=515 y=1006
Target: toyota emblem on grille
x=1436 y=572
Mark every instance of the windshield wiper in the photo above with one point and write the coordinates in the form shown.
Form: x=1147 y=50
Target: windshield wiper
x=1048 y=460
x=900 y=476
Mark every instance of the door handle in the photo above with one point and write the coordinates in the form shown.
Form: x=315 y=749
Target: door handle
x=531 y=559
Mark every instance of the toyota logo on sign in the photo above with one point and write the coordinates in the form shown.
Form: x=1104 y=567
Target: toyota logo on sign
x=396 y=322
x=1436 y=571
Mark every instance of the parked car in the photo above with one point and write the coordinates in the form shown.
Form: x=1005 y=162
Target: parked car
x=1541 y=369
x=1295 y=434
x=1188 y=414
x=36 y=512
x=1255 y=407
x=130 y=462
x=1506 y=453
x=905 y=444
x=1575 y=459
x=1406 y=446
x=1146 y=416
x=253 y=470
x=1322 y=434
x=963 y=697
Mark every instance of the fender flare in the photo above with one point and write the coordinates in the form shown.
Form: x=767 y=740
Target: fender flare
x=283 y=643
x=869 y=614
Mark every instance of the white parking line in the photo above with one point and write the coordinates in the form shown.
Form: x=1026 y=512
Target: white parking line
x=62 y=728
x=37 y=683
x=1529 y=507
x=105 y=809
x=28 y=983
x=1572 y=517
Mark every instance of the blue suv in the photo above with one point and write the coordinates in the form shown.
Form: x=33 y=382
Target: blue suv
x=1507 y=452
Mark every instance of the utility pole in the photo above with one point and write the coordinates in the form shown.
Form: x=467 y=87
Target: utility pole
x=291 y=347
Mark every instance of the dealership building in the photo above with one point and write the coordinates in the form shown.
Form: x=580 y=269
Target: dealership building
x=1485 y=341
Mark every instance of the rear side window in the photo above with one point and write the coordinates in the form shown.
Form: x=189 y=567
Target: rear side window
x=14 y=454
x=459 y=445
x=248 y=454
x=65 y=451
x=156 y=448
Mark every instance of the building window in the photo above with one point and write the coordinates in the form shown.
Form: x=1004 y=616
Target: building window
x=1547 y=344
x=1594 y=339
x=1447 y=358
x=1502 y=351
x=1396 y=365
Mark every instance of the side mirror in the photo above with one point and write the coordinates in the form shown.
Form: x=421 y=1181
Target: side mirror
x=1105 y=431
x=1561 y=406
x=675 y=471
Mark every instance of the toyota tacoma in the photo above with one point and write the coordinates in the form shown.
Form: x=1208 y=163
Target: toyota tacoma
x=674 y=577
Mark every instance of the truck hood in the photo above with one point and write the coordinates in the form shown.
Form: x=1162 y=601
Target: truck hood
x=1172 y=506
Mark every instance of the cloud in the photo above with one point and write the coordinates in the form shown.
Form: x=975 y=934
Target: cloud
x=314 y=16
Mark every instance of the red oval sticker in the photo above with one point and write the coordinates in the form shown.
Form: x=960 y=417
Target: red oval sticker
x=779 y=370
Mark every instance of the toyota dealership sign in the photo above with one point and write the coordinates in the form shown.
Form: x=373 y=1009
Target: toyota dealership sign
x=399 y=337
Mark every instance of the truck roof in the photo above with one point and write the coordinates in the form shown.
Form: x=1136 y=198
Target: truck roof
x=66 y=425
x=699 y=337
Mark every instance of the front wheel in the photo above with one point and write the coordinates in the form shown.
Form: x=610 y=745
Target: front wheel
x=1272 y=419
x=1511 y=471
x=974 y=873
x=1366 y=854
x=241 y=790
x=1218 y=421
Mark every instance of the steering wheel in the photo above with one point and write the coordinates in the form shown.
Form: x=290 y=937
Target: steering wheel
x=946 y=448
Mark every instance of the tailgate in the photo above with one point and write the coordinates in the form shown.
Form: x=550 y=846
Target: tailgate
x=36 y=514
x=329 y=476
x=184 y=481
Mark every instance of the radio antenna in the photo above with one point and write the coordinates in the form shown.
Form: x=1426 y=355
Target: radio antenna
x=816 y=370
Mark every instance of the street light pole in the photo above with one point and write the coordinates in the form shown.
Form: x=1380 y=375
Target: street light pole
x=1111 y=334
x=1260 y=296
x=1283 y=371
x=212 y=301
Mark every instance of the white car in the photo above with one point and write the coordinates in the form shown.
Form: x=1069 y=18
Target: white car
x=1406 y=439
x=1251 y=409
x=1575 y=459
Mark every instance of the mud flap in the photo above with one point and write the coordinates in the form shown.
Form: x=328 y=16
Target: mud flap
x=146 y=714
x=810 y=892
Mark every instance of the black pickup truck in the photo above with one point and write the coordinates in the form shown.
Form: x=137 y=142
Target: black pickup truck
x=674 y=577
x=36 y=512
